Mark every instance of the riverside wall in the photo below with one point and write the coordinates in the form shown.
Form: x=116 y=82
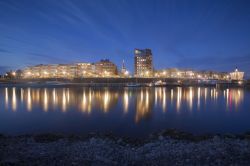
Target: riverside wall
x=133 y=81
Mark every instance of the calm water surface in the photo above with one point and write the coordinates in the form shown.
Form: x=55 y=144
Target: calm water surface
x=134 y=112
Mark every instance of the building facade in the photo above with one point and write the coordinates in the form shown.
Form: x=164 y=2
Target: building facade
x=237 y=75
x=85 y=70
x=191 y=74
x=143 y=67
x=106 y=68
x=143 y=63
x=103 y=68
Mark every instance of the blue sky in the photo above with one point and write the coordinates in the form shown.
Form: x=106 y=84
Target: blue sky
x=203 y=35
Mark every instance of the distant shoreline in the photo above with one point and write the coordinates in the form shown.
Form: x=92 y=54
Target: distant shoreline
x=122 y=82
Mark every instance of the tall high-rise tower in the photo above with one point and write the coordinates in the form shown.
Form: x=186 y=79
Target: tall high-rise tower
x=143 y=63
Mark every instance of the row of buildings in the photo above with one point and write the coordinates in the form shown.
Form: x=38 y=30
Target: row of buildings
x=143 y=67
x=103 y=68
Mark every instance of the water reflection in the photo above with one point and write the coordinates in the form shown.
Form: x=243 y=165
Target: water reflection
x=29 y=102
x=144 y=104
x=64 y=104
x=233 y=98
x=54 y=97
x=179 y=96
x=190 y=98
x=198 y=98
x=164 y=100
x=125 y=101
x=144 y=100
x=21 y=94
x=6 y=98
x=14 y=104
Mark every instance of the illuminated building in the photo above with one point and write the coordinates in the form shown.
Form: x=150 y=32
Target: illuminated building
x=236 y=75
x=85 y=70
x=143 y=67
x=106 y=68
x=50 y=71
x=66 y=70
x=143 y=63
x=190 y=74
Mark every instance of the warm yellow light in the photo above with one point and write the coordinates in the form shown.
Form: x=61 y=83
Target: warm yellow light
x=126 y=73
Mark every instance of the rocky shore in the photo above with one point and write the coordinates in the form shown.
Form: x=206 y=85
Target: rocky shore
x=169 y=147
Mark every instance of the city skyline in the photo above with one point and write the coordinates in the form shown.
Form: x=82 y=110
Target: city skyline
x=209 y=35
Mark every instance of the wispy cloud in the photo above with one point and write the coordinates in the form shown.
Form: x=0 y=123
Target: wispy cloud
x=36 y=57
x=219 y=62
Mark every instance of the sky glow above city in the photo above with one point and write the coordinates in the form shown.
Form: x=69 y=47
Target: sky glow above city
x=201 y=35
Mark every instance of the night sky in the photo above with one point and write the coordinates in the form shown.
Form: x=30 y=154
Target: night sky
x=203 y=35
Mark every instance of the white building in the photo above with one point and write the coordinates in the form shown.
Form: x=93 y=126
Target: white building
x=237 y=75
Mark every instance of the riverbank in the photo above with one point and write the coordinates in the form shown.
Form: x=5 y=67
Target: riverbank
x=122 y=82
x=165 y=148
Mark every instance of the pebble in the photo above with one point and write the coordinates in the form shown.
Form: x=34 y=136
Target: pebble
x=105 y=151
x=160 y=137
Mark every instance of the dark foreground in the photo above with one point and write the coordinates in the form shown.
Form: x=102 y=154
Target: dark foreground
x=166 y=148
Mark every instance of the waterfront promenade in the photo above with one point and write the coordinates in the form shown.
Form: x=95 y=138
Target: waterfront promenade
x=122 y=82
